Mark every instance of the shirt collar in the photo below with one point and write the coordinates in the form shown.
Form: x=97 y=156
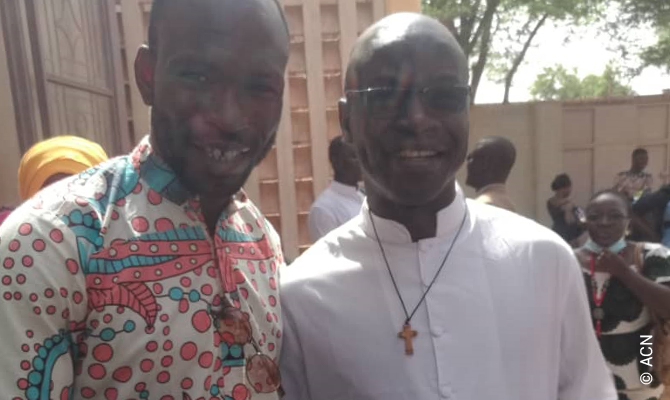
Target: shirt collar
x=494 y=187
x=448 y=221
x=635 y=174
x=162 y=179
x=343 y=189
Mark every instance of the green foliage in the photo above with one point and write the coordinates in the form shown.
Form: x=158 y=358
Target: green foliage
x=560 y=84
x=496 y=34
x=659 y=54
x=653 y=13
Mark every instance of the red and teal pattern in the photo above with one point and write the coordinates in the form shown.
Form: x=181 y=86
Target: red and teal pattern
x=112 y=289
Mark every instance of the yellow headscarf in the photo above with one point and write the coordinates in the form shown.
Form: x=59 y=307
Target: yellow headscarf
x=58 y=155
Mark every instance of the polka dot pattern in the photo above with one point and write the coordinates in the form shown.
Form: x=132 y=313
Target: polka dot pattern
x=137 y=291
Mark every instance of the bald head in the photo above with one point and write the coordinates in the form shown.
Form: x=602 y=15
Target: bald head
x=490 y=162
x=406 y=111
x=400 y=36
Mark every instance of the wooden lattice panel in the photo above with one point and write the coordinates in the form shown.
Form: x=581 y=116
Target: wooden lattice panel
x=286 y=183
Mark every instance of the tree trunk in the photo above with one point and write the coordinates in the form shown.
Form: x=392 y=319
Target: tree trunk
x=509 y=77
x=484 y=46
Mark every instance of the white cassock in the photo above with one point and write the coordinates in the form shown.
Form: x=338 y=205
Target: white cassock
x=507 y=318
x=337 y=204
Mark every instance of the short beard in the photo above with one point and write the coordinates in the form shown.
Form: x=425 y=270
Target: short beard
x=167 y=136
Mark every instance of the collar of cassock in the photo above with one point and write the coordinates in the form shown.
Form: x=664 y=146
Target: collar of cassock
x=448 y=221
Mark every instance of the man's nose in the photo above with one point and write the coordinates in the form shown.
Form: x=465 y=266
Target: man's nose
x=412 y=111
x=223 y=109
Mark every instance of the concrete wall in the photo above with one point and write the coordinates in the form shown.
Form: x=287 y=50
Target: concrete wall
x=535 y=129
x=589 y=140
x=9 y=150
x=394 y=6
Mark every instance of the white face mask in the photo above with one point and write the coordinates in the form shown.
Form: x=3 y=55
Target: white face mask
x=614 y=248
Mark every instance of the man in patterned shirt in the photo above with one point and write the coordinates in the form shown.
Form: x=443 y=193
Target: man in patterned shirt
x=635 y=182
x=152 y=275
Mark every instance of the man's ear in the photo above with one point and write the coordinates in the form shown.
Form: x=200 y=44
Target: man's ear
x=145 y=66
x=345 y=119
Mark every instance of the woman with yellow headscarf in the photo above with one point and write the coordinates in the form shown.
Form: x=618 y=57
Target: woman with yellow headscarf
x=54 y=159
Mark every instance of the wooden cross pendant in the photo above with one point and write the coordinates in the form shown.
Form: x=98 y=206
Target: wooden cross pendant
x=407 y=334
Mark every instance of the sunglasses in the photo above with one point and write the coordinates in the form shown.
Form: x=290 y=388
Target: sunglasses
x=438 y=100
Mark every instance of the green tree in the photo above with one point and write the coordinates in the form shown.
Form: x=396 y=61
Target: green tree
x=633 y=14
x=659 y=54
x=477 y=23
x=558 y=83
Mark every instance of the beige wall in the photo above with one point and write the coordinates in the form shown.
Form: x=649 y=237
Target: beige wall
x=9 y=150
x=514 y=122
x=535 y=129
x=599 y=136
x=394 y=6
x=589 y=140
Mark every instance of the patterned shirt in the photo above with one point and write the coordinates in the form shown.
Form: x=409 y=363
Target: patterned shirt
x=633 y=184
x=625 y=318
x=112 y=288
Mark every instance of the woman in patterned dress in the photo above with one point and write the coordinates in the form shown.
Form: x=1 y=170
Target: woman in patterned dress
x=627 y=286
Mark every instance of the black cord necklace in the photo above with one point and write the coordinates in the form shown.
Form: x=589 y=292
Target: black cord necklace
x=407 y=333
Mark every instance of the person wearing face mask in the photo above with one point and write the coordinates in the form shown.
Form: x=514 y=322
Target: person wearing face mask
x=628 y=290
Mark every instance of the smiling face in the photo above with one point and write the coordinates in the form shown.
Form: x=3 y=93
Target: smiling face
x=410 y=155
x=607 y=219
x=215 y=84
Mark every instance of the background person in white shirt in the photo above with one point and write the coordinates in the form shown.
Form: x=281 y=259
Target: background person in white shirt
x=427 y=295
x=489 y=166
x=342 y=200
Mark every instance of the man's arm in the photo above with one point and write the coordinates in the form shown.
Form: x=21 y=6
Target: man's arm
x=292 y=363
x=43 y=297
x=583 y=373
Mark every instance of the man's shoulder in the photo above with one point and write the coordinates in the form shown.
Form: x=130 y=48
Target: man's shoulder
x=622 y=177
x=256 y=216
x=92 y=189
x=514 y=229
x=70 y=200
x=522 y=245
x=323 y=199
x=329 y=255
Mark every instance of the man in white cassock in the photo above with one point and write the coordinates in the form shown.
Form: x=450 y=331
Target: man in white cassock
x=426 y=295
